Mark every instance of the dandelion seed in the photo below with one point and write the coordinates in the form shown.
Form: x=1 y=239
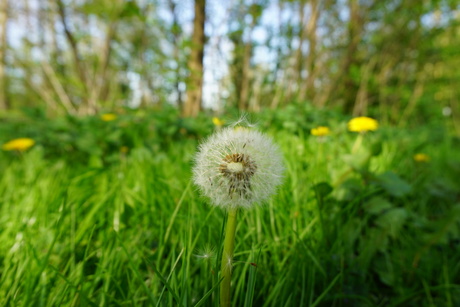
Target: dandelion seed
x=228 y=263
x=206 y=254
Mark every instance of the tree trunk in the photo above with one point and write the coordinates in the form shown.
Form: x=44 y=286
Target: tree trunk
x=243 y=102
x=101 y=81
x=355 y=29
x=307 y=89
x=362 y=97
x=3 y=47
x=278 y=85
x=78 y=62
x=343 y=83
x=176 y=36
x=299 y=58
x=195 y=80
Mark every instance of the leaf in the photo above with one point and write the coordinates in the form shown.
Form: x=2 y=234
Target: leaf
x=377 y=205
x=384 y=269
x=114 y=136
x=392 y=221
x=376 y=148
x=322 y=189
x=130 y=9
x=358 y=160
x=348 y=190
x=393 y=184
x=351 y=231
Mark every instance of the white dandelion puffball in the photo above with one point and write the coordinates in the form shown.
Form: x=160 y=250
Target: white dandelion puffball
x=237 y=168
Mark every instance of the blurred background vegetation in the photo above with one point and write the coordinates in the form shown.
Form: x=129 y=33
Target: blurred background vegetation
x=395 y=60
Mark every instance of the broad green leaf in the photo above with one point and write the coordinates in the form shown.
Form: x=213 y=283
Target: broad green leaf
x=322 y=189
x=358 y=160
x=376 y=148
x=377 y=205
x=392 y=221
x=384 y=269
x=393 y=184
x=348 y=190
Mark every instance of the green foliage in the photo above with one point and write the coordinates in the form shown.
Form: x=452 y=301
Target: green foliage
x=84 y=223
x=393 y=184
x=82 y=138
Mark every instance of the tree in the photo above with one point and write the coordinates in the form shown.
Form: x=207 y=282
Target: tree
x=243 y=21
x=308 y=63
x=3 y=48
x=175 y=39
x=195 y=80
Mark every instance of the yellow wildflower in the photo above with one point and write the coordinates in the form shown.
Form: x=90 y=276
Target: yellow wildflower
x=20 y=144
x=107 y=117
x=124 y=149
x=421 y=157
x=217 y=121
x=320 y=131
x=362 y=124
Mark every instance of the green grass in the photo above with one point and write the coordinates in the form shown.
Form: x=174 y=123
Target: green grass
x=135 y=232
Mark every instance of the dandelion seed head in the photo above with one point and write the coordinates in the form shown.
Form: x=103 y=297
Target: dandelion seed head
x=238 y=168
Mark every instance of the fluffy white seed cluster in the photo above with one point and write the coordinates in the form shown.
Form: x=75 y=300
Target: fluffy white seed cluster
x=237 y=168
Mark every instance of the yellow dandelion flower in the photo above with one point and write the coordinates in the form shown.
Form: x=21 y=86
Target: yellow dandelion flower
x=320 y=131
x=20 y=144
x=107 y=117
x=217 y=121
x=362 y=124
x=421 y=157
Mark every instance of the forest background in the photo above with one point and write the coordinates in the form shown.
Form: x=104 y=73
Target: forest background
x=396 y=59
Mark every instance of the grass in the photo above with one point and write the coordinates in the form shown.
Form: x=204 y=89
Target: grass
x=136 y=233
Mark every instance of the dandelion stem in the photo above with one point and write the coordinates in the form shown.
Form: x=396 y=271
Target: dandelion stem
x=358 y=142
x=227 y=258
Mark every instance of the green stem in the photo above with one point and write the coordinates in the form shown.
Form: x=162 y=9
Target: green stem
x=227 y=259
x=357 y=143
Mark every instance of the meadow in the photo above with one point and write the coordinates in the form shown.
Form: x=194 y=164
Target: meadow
x=103 y=212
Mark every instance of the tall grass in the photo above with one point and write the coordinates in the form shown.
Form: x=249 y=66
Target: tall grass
x=136 y=232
